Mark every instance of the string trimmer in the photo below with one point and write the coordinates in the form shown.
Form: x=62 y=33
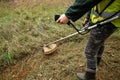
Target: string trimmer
x=52 y=46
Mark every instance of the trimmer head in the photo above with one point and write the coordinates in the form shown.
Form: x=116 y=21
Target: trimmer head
x=49 y=48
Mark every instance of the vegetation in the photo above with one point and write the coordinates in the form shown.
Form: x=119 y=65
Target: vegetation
x=26 y=26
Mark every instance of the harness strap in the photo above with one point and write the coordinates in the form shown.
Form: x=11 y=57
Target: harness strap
x=104 y=8
x=106 y=14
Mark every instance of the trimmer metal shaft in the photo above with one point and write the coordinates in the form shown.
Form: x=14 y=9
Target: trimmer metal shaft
x=84 y=29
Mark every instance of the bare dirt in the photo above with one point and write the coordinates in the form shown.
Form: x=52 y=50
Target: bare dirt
x=65 y=63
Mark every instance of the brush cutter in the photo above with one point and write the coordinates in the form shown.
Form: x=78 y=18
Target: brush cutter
x=52 y=46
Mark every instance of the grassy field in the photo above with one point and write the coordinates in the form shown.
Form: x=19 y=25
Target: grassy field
x=26 y=26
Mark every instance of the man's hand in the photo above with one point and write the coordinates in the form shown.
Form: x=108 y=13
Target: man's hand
x=86 y=20
x=63 y=19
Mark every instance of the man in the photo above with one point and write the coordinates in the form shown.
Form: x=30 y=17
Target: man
x=100 y=10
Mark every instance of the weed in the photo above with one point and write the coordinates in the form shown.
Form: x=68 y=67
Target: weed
x=8 y=57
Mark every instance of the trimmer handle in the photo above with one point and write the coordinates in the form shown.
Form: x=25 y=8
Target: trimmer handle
x=57 y=16
x=69 y=23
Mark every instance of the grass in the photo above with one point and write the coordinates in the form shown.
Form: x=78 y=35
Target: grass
x=23 y=26
x=26 y=26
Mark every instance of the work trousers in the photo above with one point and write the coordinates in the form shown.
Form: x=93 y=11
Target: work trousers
x=95 y=45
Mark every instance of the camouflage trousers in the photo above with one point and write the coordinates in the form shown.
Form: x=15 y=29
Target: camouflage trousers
x=95 y=45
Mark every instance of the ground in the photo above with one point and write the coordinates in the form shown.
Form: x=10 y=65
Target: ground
x=65 y=63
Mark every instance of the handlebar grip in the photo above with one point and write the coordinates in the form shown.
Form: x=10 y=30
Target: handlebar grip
x=56 y=17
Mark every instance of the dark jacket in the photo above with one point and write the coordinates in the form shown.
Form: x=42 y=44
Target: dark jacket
x=79 y=8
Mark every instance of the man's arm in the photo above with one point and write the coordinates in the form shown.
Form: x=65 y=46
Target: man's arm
x=79 y=8
x=87 y=18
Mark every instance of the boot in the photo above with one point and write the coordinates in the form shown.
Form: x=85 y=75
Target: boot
x=86 y=76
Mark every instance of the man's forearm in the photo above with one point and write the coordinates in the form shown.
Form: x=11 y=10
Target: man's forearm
x=79 y=8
